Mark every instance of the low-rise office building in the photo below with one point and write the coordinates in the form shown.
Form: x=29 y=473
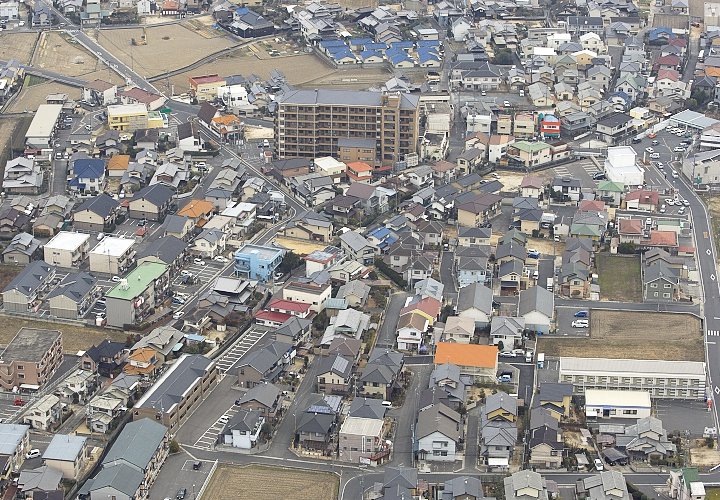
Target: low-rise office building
x=661 y=379
x=173 y=397
x=67 y=249
x=30 y=359
x=112 y=255
x=605 y=403
x=131 y=300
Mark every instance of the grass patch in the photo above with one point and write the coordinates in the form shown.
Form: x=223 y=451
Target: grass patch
x=619 y=277
x=75 y=337
x=32 y=80
x=712 y=494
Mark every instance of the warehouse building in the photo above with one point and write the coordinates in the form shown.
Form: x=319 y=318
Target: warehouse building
x=661 y=379
x=112 y=255
x=42 y=127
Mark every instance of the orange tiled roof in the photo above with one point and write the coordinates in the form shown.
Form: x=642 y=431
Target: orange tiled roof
x=630 y=226
x=196 y=208
x=226 y=120
x=663 y=239
x=481 y=356
x=119 y=162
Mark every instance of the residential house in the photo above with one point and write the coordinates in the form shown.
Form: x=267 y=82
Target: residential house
x=438 y=431
x=536 y=305
x=380 y=375
x=263 y=365
x=476 y=361
x=475 y=302
x=334 y=374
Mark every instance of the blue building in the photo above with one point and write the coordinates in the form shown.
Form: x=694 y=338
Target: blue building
x=257 y=262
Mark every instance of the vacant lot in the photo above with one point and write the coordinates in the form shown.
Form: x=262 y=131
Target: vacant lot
x=621 y=335
x=269 y=483
x=701 y=455
x=56 y=53
x=303 y=70
x=17 y=46
x=75 y=338
x=619 y=277
x=7 y=127
x=203 y=26
x=31 y=97
x=168 y=48
x=300 y=247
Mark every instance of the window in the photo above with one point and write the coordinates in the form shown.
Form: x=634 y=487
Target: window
x=668 y=285
x=629 y=412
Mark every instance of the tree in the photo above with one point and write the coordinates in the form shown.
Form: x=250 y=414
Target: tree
x=626 y=248
x=289 y=262
x=503 y=56
x=174 y=446
x=692 y=103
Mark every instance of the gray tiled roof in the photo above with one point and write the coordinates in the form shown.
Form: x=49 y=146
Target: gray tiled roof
x=536 y=299
x=30 y=278
x=74 y=286
x=477 y=296
x=136 y=444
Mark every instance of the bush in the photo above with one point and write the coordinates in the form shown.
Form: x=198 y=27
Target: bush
x=394 y=276
x=626 y=248
x=174 y=446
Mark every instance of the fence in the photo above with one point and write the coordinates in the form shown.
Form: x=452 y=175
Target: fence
x=207 y=480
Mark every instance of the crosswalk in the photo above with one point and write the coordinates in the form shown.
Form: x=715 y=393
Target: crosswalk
x=713 y=333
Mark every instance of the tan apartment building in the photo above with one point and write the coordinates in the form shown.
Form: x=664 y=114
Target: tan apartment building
x=524 y=127
x=30 y=359
x=205 y=87
x=361 y=439
x=310 y=123
x=180 y=389
x=67 y=249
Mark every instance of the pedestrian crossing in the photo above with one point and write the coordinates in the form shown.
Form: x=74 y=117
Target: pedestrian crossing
x=713 y=333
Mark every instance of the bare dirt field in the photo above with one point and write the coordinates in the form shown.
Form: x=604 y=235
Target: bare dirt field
x=75 y=338
x=303 y=70
x=701 y=455
x=622 y=335
x=300 y=247
x=510 y=180
x=7 y=126
x=168 y=48
x=31 y=97
x=17 y=46
x=269 y=483
x=203 y=26
x=56 y=53
x=574 y=440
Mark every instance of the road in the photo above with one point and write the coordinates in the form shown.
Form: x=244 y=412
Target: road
x=388 y=328
x=447 y=276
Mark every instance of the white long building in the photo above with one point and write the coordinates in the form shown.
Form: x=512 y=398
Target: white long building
x=662 y=379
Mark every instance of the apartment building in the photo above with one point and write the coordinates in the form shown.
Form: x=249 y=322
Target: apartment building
x=30 y=359
x=662 y=379
x=310 y=123
x=131 y=300
x=67 y=249
x=131 y=117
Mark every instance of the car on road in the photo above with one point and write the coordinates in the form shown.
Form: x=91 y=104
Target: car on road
x=198 y=262
x=220 y=258
x=598 y=465
x=581 y=314
x=675 y=175
x=178 y=314
x=278 y=276
x=508 y=354
x=34 y=453
x=581 y=323
x=686 y=203
x=115 y=279
x=483 y=93
x=660 y=165
x=649 y=150
x=182 y=493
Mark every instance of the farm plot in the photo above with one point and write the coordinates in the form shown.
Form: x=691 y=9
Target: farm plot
x=33 y=96
x=269 y=483
x=625 y=334
x=56 y=53
x=168 y=48
x=17 y=46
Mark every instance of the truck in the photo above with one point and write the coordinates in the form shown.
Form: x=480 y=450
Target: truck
x=549 y=286
x=541 y=360
x=528 y=356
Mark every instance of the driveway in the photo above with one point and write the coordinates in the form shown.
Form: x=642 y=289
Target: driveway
x=387 y=333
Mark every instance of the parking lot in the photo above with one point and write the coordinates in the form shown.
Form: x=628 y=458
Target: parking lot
x=564 y=320
x=210 y=438
x=240 y=348
x=665 y=143
x=130 y=226
x=201 y=273
x=167 y=485
x=582 y=169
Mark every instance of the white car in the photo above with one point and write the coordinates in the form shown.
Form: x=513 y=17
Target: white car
x=686 y=203
x=185 y=272
x=34 y=453
x=200 y=164
x=115 y=279
x=660 y=165
x=675 y=175
x=483 y=93
x=88 y=128
x=178 y=314
x=599 y=466
x=508 y=354
x=581 y=323
x=655 y=156
x=649 y=150
x=220 y=258
x=506 y=104
x=678 y=149
x=198 y=262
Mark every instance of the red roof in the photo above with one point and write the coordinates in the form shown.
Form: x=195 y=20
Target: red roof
x=428 y=305
x=591 y=206
x=670 y=74
x=668 y=60
x=686 y=249
x=662 y=239
x=198 y=80
x=288 y=305
x=643 y=196
x=532 y=181
x=275 y=317
x=630 y=226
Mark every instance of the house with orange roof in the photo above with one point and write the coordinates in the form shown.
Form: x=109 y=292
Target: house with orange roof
x=358 y=171
x=630 y=230
x=117 y=165
x=444 y=171
x=227 y=127
x=474 y=360
x=143 y=361
x=642 y=199
x=199 y=211
x=667 y=240
x=204 y=88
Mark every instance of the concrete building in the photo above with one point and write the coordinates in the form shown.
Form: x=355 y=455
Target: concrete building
x=14 y=442
x=609 y=403
x=67 y=249
x=30 y=359
x=131 y=300
x=304 y=125
x=360 y=439
x=112 y=255
x=621 y=166
x=257 y=262
x=179 y=391
x=661 y=379
x=68 y=454
x=132 y=117
x=311 y=293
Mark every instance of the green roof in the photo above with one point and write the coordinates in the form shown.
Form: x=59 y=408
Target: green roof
x=585 y=230
x=531 y=147
x=615 y=187
x=138 y=280
x=691 y=475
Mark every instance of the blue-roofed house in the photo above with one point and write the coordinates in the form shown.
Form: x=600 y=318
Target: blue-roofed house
x=428 y=43
x=371 y=56
x=660 y=36
x=359 y=43
x=404 y=45
x=620 y=100
x=88 y=175
x=342 y=55
x=328 y=45
x=382 y=238
x=399 y=58
x=375 y=46
x=428 y=58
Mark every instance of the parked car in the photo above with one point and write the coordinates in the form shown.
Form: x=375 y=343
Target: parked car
x=655 y=156
x=198 y=262
x=649 y=150
x=678 y=149
x=142 y=223
x=198 y=465
x=115 y=279
x=182 y=492
x=178 y=301
x=34 y=453
x=483 y=93
x=508 y=354
x=220 y=258
x=581 y=323
x=506 y=104
x=582 y=314
x=18 y=402
x=185 y=272
x=686 y=203
x=278 y=276
x=599 y=465
x=600 y=176
x=655 y=142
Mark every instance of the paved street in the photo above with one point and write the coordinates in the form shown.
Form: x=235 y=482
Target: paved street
x=447 y=276
x=387 y=333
